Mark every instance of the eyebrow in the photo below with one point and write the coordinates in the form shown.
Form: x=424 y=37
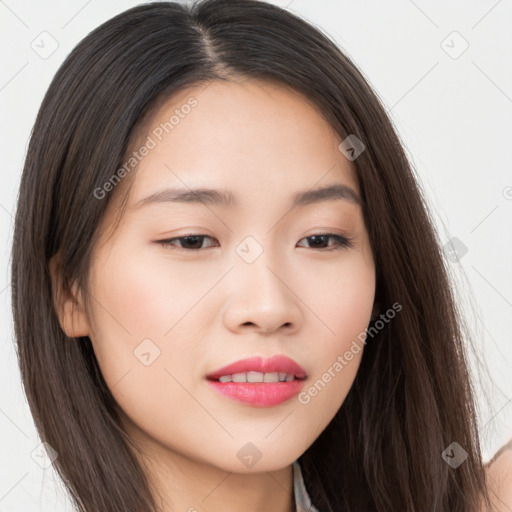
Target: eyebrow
x=228 y=199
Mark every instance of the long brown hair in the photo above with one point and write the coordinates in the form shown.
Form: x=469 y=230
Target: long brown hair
x=412 y=396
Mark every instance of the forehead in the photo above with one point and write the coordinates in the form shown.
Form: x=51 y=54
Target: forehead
x=238 y=133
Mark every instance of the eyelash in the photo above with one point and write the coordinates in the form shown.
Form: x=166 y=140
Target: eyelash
x=341 y=241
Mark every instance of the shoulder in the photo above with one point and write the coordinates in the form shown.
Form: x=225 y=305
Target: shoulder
x=499 y=477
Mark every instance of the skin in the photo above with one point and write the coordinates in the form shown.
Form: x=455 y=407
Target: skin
x=499 y=477
x=208 y=308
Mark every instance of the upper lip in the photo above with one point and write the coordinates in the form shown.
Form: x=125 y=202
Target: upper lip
x=278 y=363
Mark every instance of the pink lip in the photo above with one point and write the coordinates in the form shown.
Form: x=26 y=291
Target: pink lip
x=260 y=364
x=259 y=394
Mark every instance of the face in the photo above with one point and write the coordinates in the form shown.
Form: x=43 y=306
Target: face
x=186 y=287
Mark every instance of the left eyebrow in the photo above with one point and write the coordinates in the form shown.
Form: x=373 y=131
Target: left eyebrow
x=327 y=193
x=227 y=198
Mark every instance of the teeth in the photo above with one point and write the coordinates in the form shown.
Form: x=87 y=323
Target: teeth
x=257 y=377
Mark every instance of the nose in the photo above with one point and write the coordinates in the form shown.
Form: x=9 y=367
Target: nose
x=261 y=298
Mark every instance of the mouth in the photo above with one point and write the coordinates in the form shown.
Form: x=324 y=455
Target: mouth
x=258 y=377
x=259 y=382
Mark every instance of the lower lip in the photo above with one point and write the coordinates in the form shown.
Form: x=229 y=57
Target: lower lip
x=258 y=394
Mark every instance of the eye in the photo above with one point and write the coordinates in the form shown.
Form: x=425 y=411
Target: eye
x=191 y=242
x=318 y=241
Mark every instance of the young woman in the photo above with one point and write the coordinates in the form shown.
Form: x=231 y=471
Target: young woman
x=227 y=289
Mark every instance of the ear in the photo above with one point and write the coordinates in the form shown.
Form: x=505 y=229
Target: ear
x=68 y=303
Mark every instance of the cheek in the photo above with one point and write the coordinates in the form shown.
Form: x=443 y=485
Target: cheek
x=142 y=341
x=341 y=295
x=342 y=300
x=141 y=308
x=148 y=295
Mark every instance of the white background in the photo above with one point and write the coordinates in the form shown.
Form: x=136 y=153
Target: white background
x=454 y=116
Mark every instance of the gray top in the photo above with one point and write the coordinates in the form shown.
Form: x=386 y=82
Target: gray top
x=302 y=499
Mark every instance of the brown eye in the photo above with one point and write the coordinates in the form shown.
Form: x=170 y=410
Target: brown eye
x=188 y=242
x=319 y=241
